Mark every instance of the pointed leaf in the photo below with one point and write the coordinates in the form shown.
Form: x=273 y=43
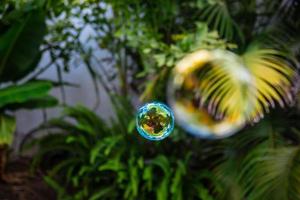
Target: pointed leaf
x=23 y=93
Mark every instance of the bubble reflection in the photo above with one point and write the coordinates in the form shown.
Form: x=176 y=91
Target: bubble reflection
x=155 y=121
x=185 y=100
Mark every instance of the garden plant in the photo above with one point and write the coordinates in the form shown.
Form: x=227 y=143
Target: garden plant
x=84 y=156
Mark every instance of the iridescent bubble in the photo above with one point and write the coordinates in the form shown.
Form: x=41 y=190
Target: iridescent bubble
x=184 y=97
x=155 y=121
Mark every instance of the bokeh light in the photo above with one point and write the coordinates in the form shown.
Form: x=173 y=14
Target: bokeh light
x=184 y=97
x=155 y=121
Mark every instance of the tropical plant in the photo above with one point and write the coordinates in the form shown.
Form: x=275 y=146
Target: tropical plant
x=96 y=160
x=261 y=52
x=238 y=87
x=19 y=56
x=88 y=159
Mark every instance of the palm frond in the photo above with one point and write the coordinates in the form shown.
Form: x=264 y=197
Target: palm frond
x=225 y=85
x=227 y=81
x=237 y=87
x=255 y=163
x=217 y=15
x=273 y=77
x=272 y=174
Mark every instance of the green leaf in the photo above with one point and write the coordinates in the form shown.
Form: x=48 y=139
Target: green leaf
x=42 y=102
x=203 y=193
x=63 y=164
x=55 y=185
x=148 y=177
x=102 y=193
x=131 y=126
x=103 y=147
x=162 y=162
x=19 y=46
x=86 y=119
x=133 y=185
x=7 y=129
x=23 y=93
x=163 y=188
x=113 y=165
x=176 y=186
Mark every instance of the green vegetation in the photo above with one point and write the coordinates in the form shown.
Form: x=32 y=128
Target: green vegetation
x=89 y=158
x=19 y=55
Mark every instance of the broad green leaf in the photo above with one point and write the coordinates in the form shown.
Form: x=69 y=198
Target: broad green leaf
x=19 y=46
x=7 y=129
x=42 y=102
x=24 y=93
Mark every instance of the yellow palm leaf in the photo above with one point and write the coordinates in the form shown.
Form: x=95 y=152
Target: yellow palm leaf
x=273 y=77
x=232 y=86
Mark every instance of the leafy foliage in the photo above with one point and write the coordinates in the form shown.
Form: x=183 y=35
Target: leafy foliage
x=91 y=149
x=273 y=77
x=19 y=55
x=90 y=158
x=94 y=159
x=217 y=15
x=24 y=93
x=277 y=167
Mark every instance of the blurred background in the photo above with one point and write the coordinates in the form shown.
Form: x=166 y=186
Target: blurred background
x=73 y=74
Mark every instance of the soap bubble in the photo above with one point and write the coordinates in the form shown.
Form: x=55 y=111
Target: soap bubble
x=185 y=100
x=155 y=121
